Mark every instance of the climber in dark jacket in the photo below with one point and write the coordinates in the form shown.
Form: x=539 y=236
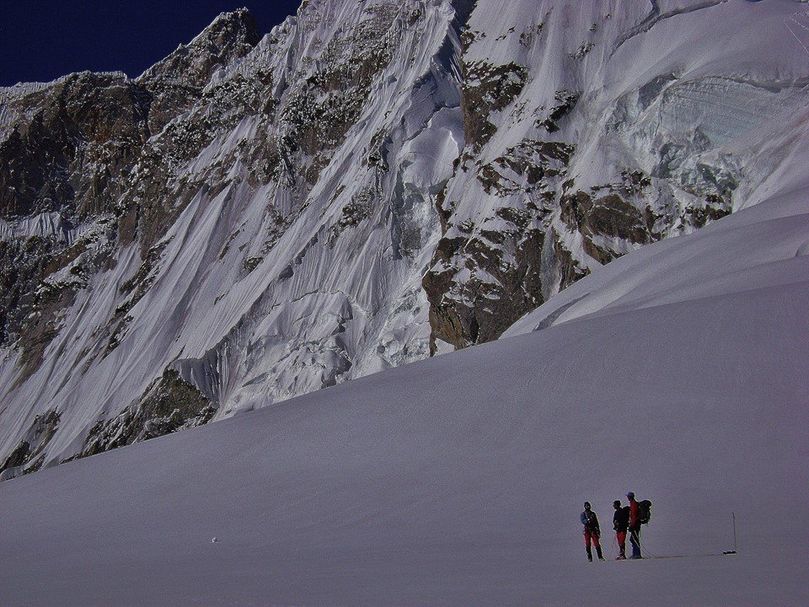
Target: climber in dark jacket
x=591 y=532
x=620 y=522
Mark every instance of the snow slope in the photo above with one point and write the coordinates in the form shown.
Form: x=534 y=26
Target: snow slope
x=368 y=184
x=458 y=480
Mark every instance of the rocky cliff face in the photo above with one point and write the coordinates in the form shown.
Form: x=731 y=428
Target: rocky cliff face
x=371 y=182
x=584 y=141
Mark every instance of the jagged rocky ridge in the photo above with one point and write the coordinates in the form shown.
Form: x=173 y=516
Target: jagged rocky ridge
x=371 y=182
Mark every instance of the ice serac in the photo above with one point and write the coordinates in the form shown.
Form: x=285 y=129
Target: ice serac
x=595 y=128
x=257 y=217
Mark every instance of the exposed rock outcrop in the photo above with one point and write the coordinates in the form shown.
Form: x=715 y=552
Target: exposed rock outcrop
x=29 y=455
x=169 y=405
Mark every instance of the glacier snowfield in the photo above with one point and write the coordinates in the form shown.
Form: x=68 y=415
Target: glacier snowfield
x=679 y=370
x=459 y=480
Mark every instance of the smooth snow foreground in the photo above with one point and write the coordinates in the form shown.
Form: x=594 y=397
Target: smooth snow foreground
x=459 y=480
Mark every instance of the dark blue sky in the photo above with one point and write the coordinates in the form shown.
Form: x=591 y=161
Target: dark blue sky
x=43 y=39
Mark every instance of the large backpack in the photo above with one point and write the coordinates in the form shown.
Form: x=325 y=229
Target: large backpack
x=644 y=511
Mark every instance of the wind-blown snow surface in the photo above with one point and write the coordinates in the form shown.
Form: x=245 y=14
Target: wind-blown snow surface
x=458 y=480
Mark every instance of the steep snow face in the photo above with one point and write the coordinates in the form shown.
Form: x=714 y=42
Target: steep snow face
x=254 y=219
x=270 y=240
x=458 y=480
x=595 y=128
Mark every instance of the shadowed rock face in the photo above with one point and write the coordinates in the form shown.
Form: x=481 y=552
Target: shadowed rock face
x=176 y=82
x=474 y=310
x=482 y=280
x=169 y=405
x=76 y=140
x=608 y=216
x=29 y=455
x=82 y=136
x=32 y=306
x=488 y=88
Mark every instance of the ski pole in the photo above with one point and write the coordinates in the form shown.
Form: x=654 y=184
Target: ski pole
x=735 y=548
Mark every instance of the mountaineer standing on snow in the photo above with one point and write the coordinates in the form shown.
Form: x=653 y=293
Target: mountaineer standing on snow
x=634 y=526
x=591 y=532
x=620 y=522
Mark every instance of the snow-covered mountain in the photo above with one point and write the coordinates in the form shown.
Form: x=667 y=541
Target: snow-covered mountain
x=255 y=218
x=459 y=480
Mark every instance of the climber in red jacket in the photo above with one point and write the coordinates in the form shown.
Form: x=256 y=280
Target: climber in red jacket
x=634 y=526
